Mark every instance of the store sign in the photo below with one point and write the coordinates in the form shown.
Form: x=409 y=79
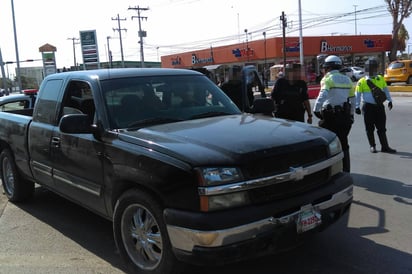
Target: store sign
x=176 y=61
x=49 y=63
x=373 y=43
x=196 y=60
x=325 y=47
x=243 y=52
x=292 y=47
x=90 y=51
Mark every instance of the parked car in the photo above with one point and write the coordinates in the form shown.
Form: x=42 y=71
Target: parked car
x=347 y=71
x=355 y=73
x=16 y=102
x=358 y=72
x=399 y=71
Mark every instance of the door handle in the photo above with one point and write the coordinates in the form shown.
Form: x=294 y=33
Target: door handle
x=55 y=142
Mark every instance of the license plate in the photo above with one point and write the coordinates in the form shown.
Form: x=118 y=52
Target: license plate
x=308 y=219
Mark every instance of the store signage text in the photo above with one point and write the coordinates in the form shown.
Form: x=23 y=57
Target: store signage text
x=325 y=47
x=373 y=43
x=176 y=61
x=243 y=52
x=292 y=46
x=196 y=60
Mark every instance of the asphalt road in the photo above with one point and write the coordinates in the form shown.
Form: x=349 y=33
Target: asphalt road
x=52 y=235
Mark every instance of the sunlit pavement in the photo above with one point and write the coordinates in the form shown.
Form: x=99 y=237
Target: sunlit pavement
x=399 y=88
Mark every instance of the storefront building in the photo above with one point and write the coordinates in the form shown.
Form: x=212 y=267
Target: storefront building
x=266 y=53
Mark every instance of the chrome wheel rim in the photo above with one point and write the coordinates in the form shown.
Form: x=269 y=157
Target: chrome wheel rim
x=8 y=177
x=141 y=237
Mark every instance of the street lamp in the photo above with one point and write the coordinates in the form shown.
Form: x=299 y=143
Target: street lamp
x=16 y=47
x=356 y=27
x=264 y=67
x=247 y=46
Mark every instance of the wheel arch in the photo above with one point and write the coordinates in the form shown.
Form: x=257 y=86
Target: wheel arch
x=124 y=185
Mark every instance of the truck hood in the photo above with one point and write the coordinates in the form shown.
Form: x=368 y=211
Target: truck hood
x=225 y=140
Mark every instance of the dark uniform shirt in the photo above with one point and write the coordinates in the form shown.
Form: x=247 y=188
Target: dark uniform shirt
x=288 y=98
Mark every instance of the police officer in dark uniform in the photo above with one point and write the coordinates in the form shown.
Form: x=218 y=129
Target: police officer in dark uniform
x=335 y=104
x=290 y=96
x=373 y=113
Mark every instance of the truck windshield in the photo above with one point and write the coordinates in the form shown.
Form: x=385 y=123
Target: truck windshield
x=132 y=101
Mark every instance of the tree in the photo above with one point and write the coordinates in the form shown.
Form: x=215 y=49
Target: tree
x=399 y=9
x=403 y=36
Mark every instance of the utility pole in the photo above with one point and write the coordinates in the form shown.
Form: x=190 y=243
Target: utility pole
x=301 y=59
x=141 y=32
x=74 y=51
x=109 y=52
x=284 y=25
x=119 y=29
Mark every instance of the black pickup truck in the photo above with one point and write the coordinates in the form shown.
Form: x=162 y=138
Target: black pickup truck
x=185 y=176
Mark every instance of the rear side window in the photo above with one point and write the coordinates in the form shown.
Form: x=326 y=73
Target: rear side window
x=47 y=102
x=396 y=65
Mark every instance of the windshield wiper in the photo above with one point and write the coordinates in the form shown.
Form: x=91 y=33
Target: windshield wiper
x=153 y=121
x=209 y=114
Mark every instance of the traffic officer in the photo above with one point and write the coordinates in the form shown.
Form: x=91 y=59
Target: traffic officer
x=335 y=104
x=373 y=114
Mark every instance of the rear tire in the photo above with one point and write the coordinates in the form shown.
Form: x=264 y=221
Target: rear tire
x=15 y=188
x=141 y=236
x=409 y=80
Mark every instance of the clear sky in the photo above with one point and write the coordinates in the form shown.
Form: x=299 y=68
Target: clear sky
x=175 y=25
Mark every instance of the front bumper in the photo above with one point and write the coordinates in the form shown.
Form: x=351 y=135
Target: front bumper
x=199 y=245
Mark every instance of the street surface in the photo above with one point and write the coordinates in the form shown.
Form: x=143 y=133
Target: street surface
x=52 y=235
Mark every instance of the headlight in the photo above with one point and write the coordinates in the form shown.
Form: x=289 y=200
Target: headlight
x=218 y=175
x=214 y=177
x=217 y=202
x=335 y=146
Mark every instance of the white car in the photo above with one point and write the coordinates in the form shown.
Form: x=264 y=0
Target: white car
x=358 y=72
x=355 y=73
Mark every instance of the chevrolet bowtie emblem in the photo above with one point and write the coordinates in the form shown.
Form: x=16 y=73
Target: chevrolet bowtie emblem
x=297 y=173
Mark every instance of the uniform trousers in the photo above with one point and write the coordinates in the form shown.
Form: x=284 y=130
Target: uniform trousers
x=374 y=116
x=339 y=122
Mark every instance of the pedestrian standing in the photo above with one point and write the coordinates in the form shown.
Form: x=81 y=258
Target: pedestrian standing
x=374 y=115
x=335 y=104
x=290 y=95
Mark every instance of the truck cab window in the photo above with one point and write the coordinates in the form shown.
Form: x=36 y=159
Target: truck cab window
x=78 y=99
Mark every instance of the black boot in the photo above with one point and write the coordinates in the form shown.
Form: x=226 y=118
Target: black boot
x=384 y=143
x=346 y=161
x=371 y=140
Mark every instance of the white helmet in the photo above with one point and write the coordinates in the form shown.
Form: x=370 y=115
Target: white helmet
x=332 y=62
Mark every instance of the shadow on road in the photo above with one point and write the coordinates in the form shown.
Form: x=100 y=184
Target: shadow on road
x=89 y=230
x=339 y=249
x=385 y=186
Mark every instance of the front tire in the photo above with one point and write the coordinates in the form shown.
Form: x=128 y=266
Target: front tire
x=15 y=188
x=141 y=236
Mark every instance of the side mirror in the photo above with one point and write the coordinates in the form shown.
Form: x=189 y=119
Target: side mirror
x=76 y=123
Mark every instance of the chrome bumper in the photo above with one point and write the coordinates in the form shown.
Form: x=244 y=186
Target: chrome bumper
x=186 y=239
